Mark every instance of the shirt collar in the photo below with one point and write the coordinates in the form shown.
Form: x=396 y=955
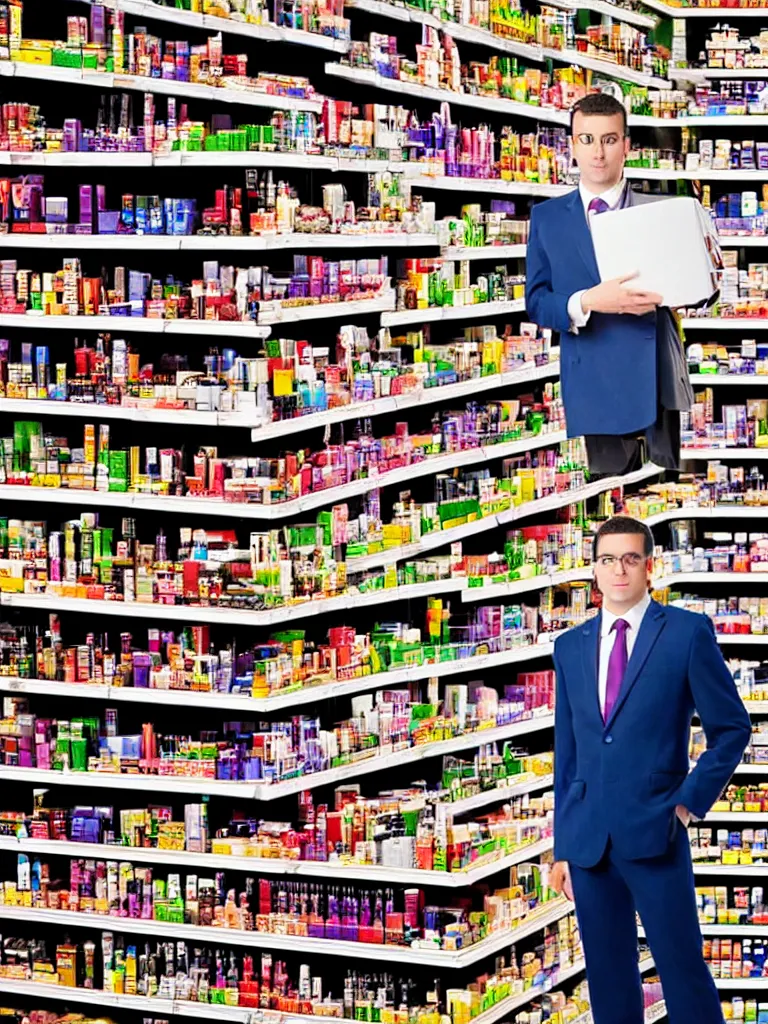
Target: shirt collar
x=633 y=617
x=610 y=196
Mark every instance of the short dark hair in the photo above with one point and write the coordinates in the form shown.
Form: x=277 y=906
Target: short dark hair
x=626 y=525
x=602 y=104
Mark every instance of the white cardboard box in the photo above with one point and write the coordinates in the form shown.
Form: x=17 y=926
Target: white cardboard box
x=672 y=243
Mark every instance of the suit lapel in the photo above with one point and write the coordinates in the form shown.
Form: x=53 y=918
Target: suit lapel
x=590 y=655
x=581 y=234
x=653 y=622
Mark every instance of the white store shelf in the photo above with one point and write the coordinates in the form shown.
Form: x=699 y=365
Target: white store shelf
x=743 y=871
x=98 y=998
x=652 y=1014
x=734 y=578
x=245 y=703
x=747 y=984
x=610 y=10
x=190 y=19
x=721 y=120
x=703 y=174
x=693 y=454
x=718 y=323
x=725 y=931
x=501 y=590
x=290 y=787
x=411 y=399
x=146 y=413
x=281 y=510
x=441 y=538
x=674 y=11
x=322 y=310
x=494 y=943
x=145 y=324
x=753 y=379
x=752 y=769
x=500 y=794
x=184 y=860
x=744 y=241
x=491 y=186
x=371 y=78
x=410 y=316
x=295 y=240
x=756 y=817
x=484 y=37
x=484 y=252
x=166 y=87
x=701 y=75
x=715 y=512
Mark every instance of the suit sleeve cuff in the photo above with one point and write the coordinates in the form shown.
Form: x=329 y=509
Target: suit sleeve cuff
x=576 y=314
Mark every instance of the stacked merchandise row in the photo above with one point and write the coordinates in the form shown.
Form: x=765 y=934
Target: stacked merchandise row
x=430 y=524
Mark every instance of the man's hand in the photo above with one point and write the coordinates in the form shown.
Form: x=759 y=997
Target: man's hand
x=612 y=297
x=683 y=814
x=560 y=879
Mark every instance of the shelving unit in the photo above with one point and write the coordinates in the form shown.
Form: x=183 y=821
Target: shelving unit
x=425 y=767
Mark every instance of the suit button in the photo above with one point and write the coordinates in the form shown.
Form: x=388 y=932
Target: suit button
x=608 y=739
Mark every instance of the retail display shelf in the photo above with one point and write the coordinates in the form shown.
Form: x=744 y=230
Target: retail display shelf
x=756 y=707
x=745 y=984
x=678 y=11
x=272 y=866
x=532 y=51
x=145 y=324
x=485 y=252
x=653 y=1013
x=494 y=943
x=290 y=787
x=754 y=640
x=221 y=243
x=281 y=428
x=725 y=931
x=743 y=871
x=315 y=499
x=742 y=816
x=244 y=1015
x=442 y=538
x=411 y=316
x=720 y=323
x=707 y=512
x=396 y=403
x=710 y=379
x=288 y=699
x=371 y=78
x=190 y=19
x=721 y=121
x=743 y=241
x=323 y=310
x=732 y=578
x=692 y=454
x=418 y=179
x=701 y=75
x=530 y=784
x=701 y=174
x=611 y=10
x=166 y=87
x=491 y=591
x=752 y=769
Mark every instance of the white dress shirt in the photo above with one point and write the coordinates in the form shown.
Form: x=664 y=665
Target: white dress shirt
x=633 y=618
x=612 y=196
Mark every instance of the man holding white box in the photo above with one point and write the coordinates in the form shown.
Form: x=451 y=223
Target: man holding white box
x=623 y=370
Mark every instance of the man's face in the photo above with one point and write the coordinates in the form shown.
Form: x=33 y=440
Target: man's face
x=600 y=148
x=622 y=570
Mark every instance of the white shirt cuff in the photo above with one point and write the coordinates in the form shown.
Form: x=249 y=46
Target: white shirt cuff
x=576 y=314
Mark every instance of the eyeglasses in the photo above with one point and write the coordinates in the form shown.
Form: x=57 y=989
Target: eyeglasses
x=629 y=561
x=612 y=139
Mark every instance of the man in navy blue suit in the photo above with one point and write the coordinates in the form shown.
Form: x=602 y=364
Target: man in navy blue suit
x=628 y=683
x=621 y=360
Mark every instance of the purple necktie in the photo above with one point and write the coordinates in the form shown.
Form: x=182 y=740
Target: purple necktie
x=617 y=666
x=598 y=205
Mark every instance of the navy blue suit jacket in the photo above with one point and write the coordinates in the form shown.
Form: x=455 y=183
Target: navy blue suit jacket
x=623 y=779
x=608 y=371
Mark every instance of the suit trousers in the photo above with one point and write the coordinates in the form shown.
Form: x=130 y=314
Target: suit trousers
x=661 y=890
x=623 y=453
